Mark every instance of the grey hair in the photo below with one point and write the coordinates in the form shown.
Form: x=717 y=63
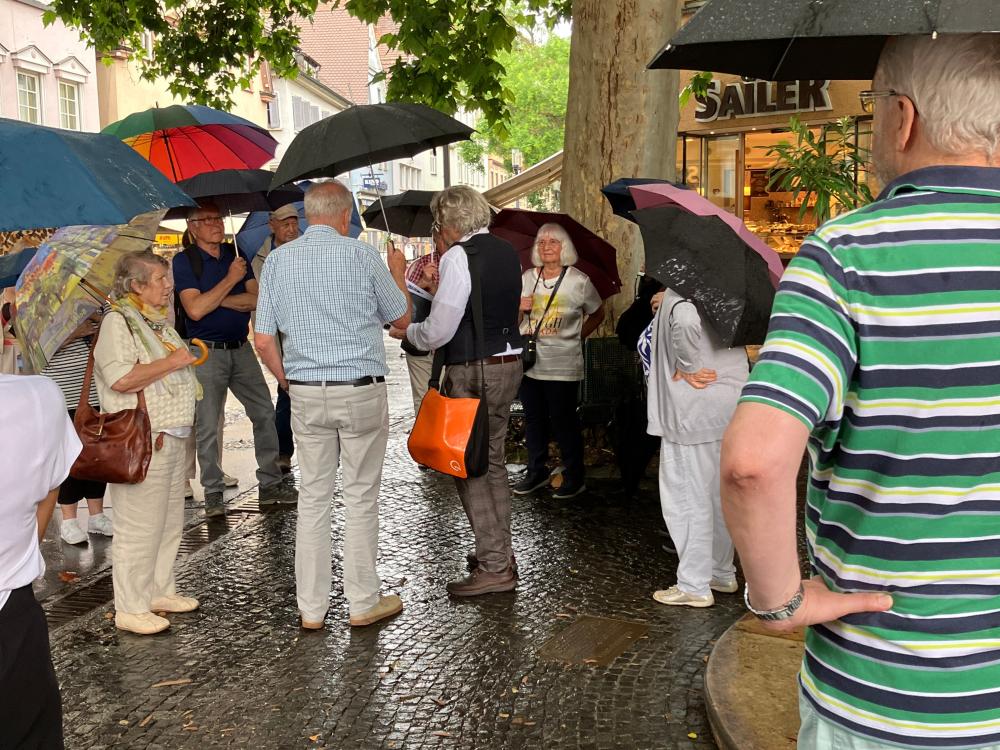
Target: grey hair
x=567 y=253
x=328 y=199
x=952 y=81
x=202 y=206
x=461 y=209
x=135 y=268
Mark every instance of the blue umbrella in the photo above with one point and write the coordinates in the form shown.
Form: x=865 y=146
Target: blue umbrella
x=620 y=198
x=256 y=229
x=11 y=265
x=58 y=178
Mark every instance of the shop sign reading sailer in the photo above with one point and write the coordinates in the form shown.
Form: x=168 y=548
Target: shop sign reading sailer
x=755 y=98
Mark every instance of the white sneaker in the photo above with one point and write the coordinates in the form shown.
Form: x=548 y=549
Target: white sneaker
x=724 y=585
x=674 y=596
x=175 y=603
x=144 y=623
x=71 y=533
x=100 y=524
x=230 y=481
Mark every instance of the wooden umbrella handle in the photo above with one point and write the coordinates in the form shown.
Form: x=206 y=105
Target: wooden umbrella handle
x=204 y=352
x=197 y=342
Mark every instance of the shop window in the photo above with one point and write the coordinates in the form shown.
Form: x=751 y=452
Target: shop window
x=720 y=184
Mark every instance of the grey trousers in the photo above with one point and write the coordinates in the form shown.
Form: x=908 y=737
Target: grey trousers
x=487 y=498
x=235 y=370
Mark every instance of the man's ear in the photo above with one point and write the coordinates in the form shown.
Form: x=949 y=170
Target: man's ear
x=905 y=120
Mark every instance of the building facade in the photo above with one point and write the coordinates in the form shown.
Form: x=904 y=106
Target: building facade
x=47 y=75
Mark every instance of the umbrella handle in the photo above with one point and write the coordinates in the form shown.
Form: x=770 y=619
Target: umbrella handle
x=198 y=343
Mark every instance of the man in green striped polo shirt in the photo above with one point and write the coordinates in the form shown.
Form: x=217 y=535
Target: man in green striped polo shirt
x=883 y=361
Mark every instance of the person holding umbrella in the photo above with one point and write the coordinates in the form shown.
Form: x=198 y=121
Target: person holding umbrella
x=694 y=382
x=284 y=224
x=560 y=308
x=137 y=350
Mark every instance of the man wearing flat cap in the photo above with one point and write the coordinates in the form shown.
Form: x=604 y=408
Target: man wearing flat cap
x=284 y=223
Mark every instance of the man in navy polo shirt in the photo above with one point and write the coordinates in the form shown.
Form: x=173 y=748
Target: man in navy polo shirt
x=217 y=302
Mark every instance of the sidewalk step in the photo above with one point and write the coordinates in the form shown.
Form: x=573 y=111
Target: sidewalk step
x=751 y=688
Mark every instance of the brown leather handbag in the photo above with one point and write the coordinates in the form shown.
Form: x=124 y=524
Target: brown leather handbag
x=117 y=447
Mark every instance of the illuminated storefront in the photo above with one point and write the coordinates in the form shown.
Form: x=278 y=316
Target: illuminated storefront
x=724 y=138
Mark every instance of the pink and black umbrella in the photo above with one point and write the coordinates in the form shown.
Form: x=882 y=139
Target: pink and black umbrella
x=665 y=194
x=598 y=258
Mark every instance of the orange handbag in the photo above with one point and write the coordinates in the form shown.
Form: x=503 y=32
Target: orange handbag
x=452 y=435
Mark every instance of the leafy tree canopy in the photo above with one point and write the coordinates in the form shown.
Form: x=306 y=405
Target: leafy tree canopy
x=537 y=79
x=206 y=48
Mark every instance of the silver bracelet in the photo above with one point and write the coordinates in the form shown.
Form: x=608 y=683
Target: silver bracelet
x=780 y=613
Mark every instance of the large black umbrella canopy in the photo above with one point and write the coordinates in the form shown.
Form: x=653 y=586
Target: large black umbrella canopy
x=239 y=191
x=366 y=134
x=408 y=213
x=618 y=195
x=701 y=258
x=784 y=40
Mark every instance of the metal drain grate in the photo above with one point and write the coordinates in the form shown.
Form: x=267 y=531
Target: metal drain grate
x=99 y=591
x=593 y=640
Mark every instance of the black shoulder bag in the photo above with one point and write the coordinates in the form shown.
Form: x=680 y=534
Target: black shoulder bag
x=530 y=354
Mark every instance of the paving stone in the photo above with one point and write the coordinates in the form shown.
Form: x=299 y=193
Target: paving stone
x=444 y=674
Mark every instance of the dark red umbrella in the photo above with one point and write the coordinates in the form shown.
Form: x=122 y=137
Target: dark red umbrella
x=598 y=258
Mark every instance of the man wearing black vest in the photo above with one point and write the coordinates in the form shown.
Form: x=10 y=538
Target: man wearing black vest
x=462 y=218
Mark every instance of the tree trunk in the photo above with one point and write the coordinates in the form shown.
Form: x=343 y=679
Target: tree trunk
x=621 y=119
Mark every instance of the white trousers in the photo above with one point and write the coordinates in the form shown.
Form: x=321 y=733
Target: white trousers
x=420 y=374
x=351 y=426
x=692 y=509
x=148 y=521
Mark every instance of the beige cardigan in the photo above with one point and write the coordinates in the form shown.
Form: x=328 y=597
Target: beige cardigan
x=116 y=353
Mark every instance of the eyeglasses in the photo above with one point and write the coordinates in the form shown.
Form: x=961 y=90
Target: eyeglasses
x=868 y=98
x=213 y=219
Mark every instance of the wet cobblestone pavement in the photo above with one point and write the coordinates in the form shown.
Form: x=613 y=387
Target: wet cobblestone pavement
x=444 y=674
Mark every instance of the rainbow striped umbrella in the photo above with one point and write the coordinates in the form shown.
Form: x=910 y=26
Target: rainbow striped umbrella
x=186 y=140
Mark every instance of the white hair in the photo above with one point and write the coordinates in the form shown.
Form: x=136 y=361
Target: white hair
x=462 y=209
x=567 y=253
x=135 y=268
x=328 y=199
x=953 y=82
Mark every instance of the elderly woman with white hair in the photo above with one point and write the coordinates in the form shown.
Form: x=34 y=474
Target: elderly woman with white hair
x=462 y=218
x=561 y=308
x=137 y=350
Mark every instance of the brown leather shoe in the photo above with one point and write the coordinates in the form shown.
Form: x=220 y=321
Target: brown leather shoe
x=480 y=582
x=472 y=562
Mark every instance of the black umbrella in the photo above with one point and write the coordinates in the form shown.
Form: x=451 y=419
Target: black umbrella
x=620 y=198
x=238 y=191
x=785 y=40
x=409 y=213
x=363 y=135
x=701 y=258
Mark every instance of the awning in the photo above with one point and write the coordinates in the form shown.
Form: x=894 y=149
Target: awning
x=533 y=178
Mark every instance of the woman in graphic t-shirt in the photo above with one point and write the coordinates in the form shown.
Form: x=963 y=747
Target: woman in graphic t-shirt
x=561 y=303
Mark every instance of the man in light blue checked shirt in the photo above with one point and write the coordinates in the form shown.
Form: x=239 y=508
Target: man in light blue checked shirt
x=329 y=296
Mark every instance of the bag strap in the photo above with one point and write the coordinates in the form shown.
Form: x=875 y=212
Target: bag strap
x=89 y=372
x=479 y=330
x=549 y=303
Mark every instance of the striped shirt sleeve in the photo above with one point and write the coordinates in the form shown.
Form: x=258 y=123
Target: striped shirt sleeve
x=809 y=357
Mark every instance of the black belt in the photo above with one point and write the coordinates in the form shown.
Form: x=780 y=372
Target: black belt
x=359 y=382
x=497 y=360
x=225 y=344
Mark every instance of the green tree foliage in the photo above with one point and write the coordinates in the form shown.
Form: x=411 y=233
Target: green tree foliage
x=206 y=48
x=537 y=78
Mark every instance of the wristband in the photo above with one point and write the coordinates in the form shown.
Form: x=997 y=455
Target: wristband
x=780 y=613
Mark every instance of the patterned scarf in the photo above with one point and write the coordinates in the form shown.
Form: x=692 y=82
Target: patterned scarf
x=148 y=323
